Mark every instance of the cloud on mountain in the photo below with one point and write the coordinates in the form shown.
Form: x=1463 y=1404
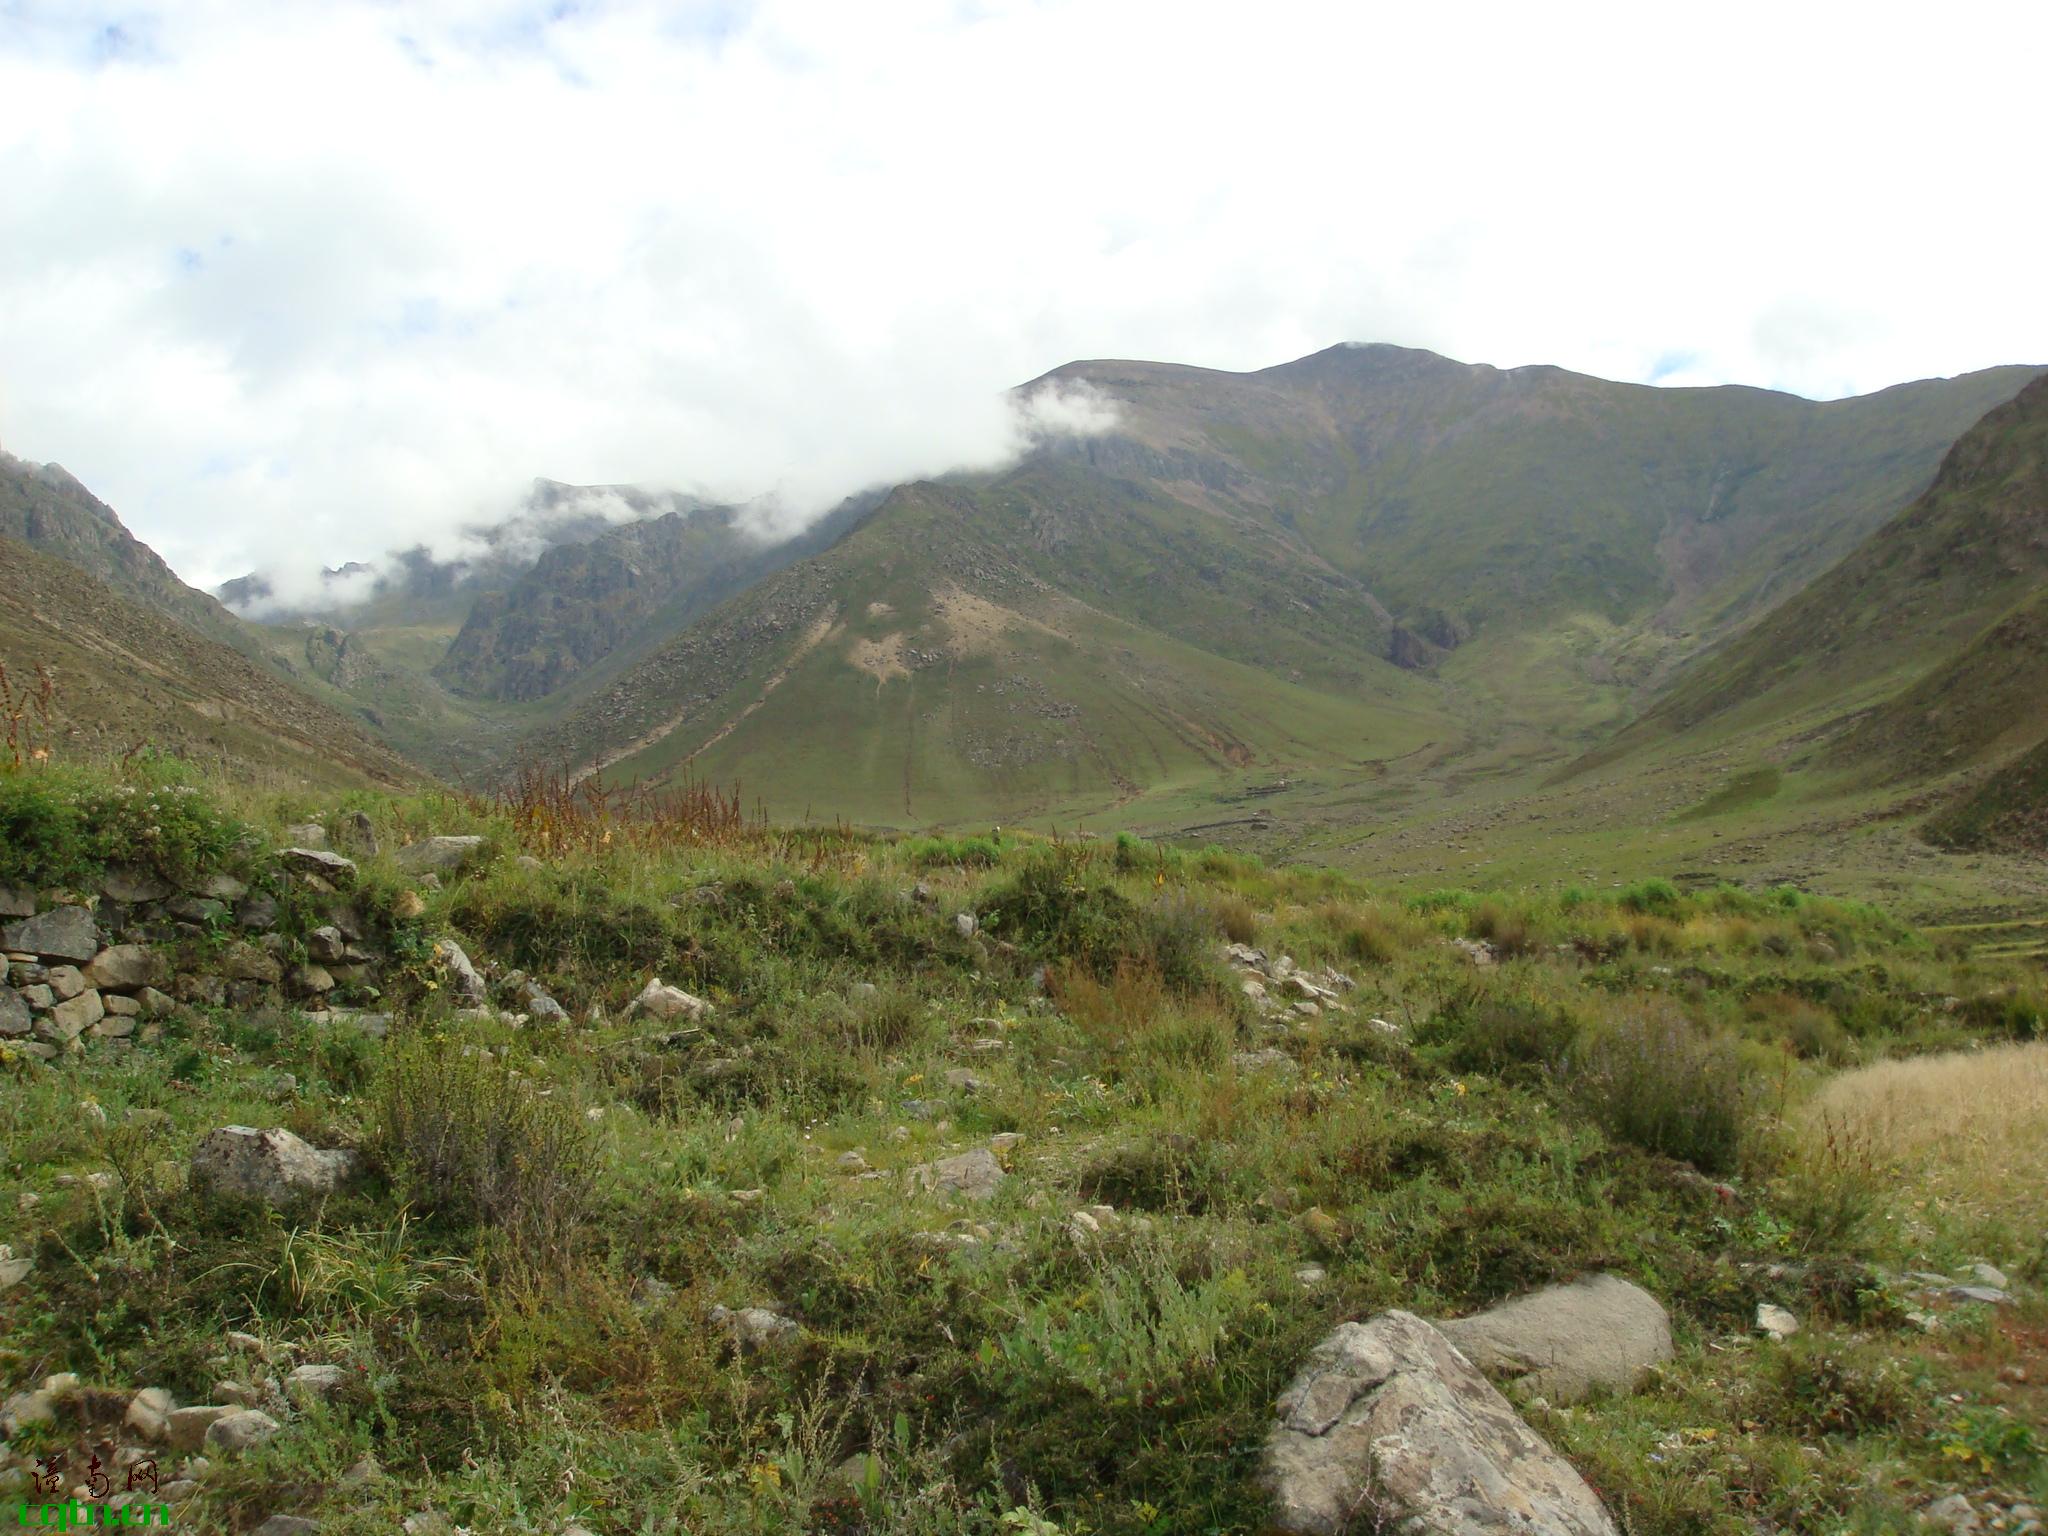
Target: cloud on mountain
x=292 y=284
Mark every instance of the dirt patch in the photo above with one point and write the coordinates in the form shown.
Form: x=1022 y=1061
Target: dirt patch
x=880 y=610
x=881 y=659
x=977 y=626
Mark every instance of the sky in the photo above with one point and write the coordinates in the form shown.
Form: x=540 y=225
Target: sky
x=289 y=284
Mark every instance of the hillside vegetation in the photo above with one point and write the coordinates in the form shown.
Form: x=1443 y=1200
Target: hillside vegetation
x=978 y=1184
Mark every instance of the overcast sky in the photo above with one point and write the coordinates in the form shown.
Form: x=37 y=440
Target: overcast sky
x=292 y=283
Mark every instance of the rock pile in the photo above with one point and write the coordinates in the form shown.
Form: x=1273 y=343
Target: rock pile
x=1280 y=989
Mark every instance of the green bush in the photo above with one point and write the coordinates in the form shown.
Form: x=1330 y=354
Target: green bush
x=1659 y=898
x=1050 y=906
x=1500 y=1036
x=474 y=1144
x=1657 y=1081
x=59 y=828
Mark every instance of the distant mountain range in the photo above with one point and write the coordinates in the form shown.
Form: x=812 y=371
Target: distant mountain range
x=1353 y=589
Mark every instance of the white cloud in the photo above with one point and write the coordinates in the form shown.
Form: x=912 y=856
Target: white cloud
x=293 y=284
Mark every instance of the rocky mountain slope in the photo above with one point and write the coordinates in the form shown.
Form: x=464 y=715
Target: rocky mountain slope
x=129 y=675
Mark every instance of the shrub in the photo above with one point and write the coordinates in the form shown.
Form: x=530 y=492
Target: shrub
x=62 y=828
x=1237 y=918
x=473 y=1143
x=1050 y=905
x=1509 y=931
x=1499 y=1036
x=1657 y=897
x=1657 y=1081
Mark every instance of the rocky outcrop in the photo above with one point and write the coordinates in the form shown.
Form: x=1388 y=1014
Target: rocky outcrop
x=1389 y=1428
x=1566 y=1341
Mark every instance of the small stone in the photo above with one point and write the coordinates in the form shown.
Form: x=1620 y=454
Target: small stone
x=148 y=1415
x=325 y=944
x=306 y=834
x=852 y=1162
x=1954 y=1514
x=318 y=863
x=972 y=1175
x=1979 y=1295
x=964 y=1080
x=15 y=1017
x=1775 y=1321
x=664 y=1002
x=257 y=914
x=65 y=981
x=965 y=924
x=12 y=1270
x=288 y=1525
x=464 y=980
x=155 y=1004
x=1989 y=1275
x=1005 y=1141
x=1309 y=1276
x=755 y=1326
x=119 y=1006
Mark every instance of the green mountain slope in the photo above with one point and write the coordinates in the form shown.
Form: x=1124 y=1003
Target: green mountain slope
x=128 y=675
x=1934 y=625
x=1312 y=573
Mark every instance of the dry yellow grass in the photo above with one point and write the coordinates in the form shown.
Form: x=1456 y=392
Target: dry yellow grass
x=1966 y=1131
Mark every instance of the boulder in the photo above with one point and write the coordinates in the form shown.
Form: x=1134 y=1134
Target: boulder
x=15 y=1019
x=325 y=945
x=62 y=933
x=664 y=1002
x=148 y=1416
x=1565 y=1341
x=269 y=1165
x=125 y=967
x=355 y=833
x=755 y=1326
x=309 y=981
x=1389 y=1428
x=1775 y=1321
x=318 y=861
x=256 y=914
x=306 y=834
x=314 y=1383
x=437 y=855
x=129 y=886
x=240 y=1429
x=972 y=1175
x=65 y=981
x=155 y=1004
x=17 y=902
x=246 y=962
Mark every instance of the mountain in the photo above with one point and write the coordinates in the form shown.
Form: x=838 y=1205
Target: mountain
x=1924 y=649
x=1308 y=574
x=580 y=603
x=44 y=507
x=129 y=674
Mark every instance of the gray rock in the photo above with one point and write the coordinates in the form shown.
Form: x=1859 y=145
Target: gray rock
x=314 y=1383
x=317 y=861
x=972 y=1175
x=125 y=967
x=309 y=981
x=256 y=914
x=269 y=1165
x=755 y=1326
x=65 y=981
x=12 y=1270
x=73 y=1017
x=306 y=834
x=222 y=888
x=239 y=1430
x=17 y=902
x=129 y=886
x=664 y=1002
x=62 y=933
x=1389 y=1428
x=246 y=962
x=463 y=979
x=1981 y=1295
x=155 y=1004
x=326 y=945
x=1990 y=1275
x=202 y=910
x=965 y=924
x=185 y=1428
x=15 y=1019
x=437 y=855
x=1954 y=1514
x=541 y=1005
x=288 y=1525
x=1564 y=1341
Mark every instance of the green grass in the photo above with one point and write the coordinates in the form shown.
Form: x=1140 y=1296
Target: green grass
x=1116 y=1383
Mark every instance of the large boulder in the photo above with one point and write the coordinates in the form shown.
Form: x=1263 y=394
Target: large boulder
x=273 y=1166
x=1565 y=1341
x=331 y=867
x=126 y=967
x=437 y=855
x=664 y=1002
x=972 y=1175
x=1389 y=1428
x=62 y=933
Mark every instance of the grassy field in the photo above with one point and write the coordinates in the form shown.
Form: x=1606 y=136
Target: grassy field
x=518 y=1290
